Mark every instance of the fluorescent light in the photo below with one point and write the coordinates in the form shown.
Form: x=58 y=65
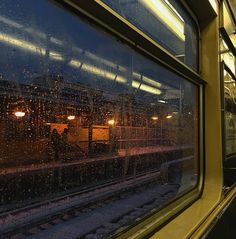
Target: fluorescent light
x=97 y=71
x=147 y=80
x=75 y=63
x=167 y=14
x=29 y=46
x=22 y=44
x=146 y=88
x=136 y=84
x=56 y=56
x=121 y=79
x=151 y=82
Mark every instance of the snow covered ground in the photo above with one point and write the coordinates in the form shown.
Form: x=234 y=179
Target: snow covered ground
x=100 y=222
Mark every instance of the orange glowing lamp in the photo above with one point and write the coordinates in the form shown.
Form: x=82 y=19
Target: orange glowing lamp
x=111 y=122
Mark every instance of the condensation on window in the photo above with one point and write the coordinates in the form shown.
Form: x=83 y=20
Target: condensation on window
x=83 y=113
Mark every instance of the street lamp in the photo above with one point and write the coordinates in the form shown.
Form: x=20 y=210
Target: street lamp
x=155 y=118
x=169 y=116
x=19 y=114
x=71 y=117
x=111 y=122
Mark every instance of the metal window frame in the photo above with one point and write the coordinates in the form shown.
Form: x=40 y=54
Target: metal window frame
x=227 y=40
x=102 y=15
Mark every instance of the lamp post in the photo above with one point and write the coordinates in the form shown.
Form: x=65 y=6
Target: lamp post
x=111 y=124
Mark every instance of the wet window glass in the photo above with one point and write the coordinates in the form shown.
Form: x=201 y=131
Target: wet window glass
x=87 y=123
x=164 y=21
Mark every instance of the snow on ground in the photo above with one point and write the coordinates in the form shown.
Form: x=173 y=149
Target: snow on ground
x=49 y=208
x=102 y=217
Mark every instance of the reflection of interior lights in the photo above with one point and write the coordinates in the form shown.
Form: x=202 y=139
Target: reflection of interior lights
x=111 y=122
x=154 y=118
x=97 y=71
x=102 y=60
x=146 y=88
x=71 y=117
x=29 y=46
x=151 y=82
x=22 y=44
x=84 y=66
x=167 y=14
x=29 y=30
x=10 y=22
x=56 y=56
x=100 y=72
x=169 y=116
x=75 y=63
x=19 y=114
x=147 y=80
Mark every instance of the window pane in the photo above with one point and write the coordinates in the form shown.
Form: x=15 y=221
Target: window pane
x=227 y=56
x=230 y=129
x=228 y=21
x=81 y=111
x=164 y=21
x=230 y=113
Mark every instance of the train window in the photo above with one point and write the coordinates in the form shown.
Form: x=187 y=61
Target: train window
x=230 y=114
x=164 y=21
x=229 y=125
x=228 y=78
x=84 y=114
x=227 y=20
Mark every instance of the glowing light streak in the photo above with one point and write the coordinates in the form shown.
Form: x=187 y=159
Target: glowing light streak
x=167 y=14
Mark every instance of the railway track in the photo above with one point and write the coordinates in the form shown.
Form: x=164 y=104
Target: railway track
x=23 y=222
